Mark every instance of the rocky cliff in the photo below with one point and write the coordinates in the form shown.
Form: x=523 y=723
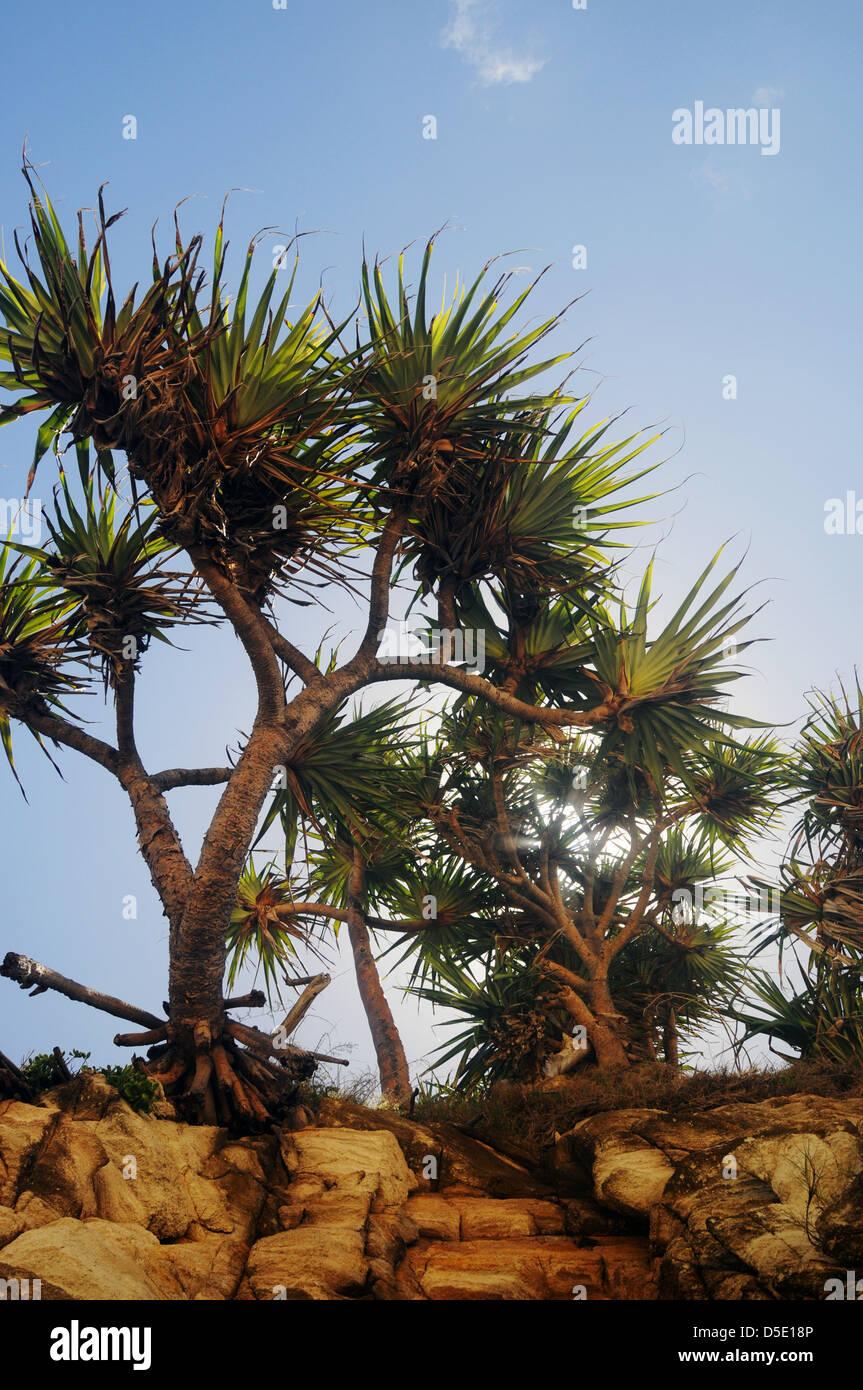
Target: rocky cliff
x=751 y=1200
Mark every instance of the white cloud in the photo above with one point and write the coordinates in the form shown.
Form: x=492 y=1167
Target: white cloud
x=470 y=32
x=720 y=185
x=766 y=96
x=711 y=177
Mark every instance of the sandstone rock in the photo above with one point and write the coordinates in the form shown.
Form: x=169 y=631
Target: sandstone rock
x=88 y=1096
x=720 y=1235
x=206 y=1270
x=183 y=1175
x=168 y=1190
x=490 y=1219
x=353 y=1161
x=307 y=1188
x=567 y=1171
x=390 y=1233
x=18 y=1281
x=632 y=1182
x=68 y=1159
x=538 y=1268
x=584 y=1218
x=839 y=1227
x=629 y=1173
x=241 y=1174
x=805 y=1170
x=95 y=1259
x=308 y=1263
x=34 y=1211
x=12 y=1224
x=627 y=1270
x=477 y=1165
x=22 y=1128
x=460 y=1159
x=99 y=1157
x=418 y=1142
x=100 y=1202
x=549 y=1217
x=337 y=1208
x=434 y=1216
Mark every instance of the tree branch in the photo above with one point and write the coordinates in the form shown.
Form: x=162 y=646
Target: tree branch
x=59 y=730
x=124 y=705
x=311 y=909
x=251 y=627
x=29 y=972
x=634 y=921
x=551 y=719
x=158 y=839
x=560 y=972
x=190 y=777
x=339 y=914
x=298 y=1011
x=379 y=598
x=291 y=655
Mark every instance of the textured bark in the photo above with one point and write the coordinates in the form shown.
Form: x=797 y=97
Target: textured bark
x=198 y=958
x=198 y=961
x=609 y=1034
x=593 y=1009
x=159 y=843
x=392 y=1063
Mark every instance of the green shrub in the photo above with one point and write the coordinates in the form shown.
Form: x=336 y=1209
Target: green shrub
x=42 y=1071
x=139 y=1091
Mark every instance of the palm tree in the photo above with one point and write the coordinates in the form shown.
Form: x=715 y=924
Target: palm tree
x=555 y=867
x=820 y=896
x=275 y=458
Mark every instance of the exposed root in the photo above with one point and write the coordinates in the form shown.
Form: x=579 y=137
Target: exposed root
x=212 y=1080
x=216 y=1072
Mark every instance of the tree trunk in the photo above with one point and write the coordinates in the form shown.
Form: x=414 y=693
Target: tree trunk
x=609 y=1031
x=669 y=1040
x=392 y=1063
x=594 y=1011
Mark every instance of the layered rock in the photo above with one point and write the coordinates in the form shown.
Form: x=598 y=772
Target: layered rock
x=751 y=1200
x=747 y=1200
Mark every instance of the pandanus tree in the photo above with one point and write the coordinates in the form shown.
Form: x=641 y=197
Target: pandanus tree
x=260 y=456
x=540 y=883
x=552 y=903
x=820 y=897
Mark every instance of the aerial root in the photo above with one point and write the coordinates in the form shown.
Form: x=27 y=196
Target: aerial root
x=212 y=1080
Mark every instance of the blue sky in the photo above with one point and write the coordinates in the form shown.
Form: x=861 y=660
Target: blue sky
x=553 y=129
